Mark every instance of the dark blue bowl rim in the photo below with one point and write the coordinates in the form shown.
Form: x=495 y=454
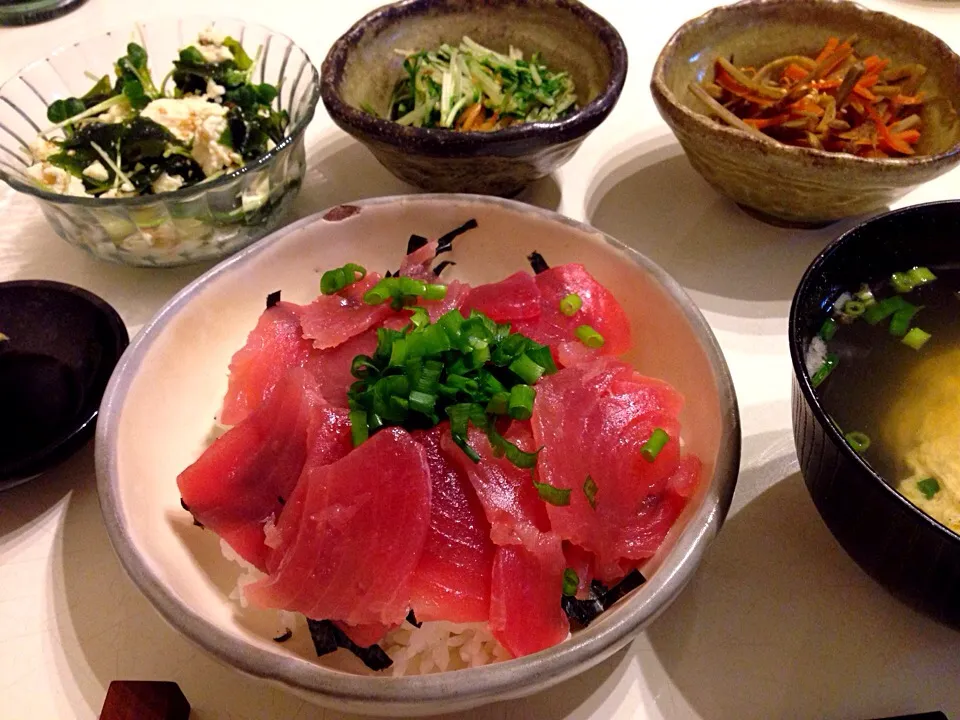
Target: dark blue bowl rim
x=441 y=140
x=29 y=467
x=803 y=377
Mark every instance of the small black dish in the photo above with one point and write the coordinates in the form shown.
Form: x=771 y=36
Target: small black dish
x=912 y=555
x=61 y=346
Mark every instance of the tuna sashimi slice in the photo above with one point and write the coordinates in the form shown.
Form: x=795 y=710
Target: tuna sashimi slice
x=600 y=310
x=354 y=534
x=274 y=346
x=333 y=319
x=331 y=367
x=592 y=420
x=525 y=612
x=509 y=498
x=242 y=480
x=581 y=562
x=511 y=300
x=452 y=580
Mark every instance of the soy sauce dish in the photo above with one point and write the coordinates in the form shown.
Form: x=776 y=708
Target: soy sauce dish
x=58 y=346
x=876 y=353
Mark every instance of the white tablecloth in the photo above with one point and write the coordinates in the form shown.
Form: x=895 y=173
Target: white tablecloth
x=778 y=623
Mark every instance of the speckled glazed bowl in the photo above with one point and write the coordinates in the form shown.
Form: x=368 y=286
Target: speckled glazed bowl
x=362 y=68
x=792 y=185
x=908 y=552
x=159 y=408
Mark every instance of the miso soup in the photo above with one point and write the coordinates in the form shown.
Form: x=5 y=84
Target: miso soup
x=886 y=366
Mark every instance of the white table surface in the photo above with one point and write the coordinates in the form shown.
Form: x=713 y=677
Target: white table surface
x=778 y=623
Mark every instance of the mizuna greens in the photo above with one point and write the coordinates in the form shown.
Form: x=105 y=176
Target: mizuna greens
x=471 y=87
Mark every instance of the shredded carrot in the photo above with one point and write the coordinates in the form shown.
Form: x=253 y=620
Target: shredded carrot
x=834 y=101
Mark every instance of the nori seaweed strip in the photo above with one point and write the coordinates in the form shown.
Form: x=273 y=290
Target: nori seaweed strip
x=195 y=521
x=537 y=262
x=412 y=619
x=445 y=242
x=415 y=243
x=601 y=598
x=281 y=500
x=442 y=266
x=630 y=582
x=582 y=611
x=284 y=636
x=327 y=637
x=273 y=298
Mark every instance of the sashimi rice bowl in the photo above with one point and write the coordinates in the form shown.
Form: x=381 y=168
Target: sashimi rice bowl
x=417 y=439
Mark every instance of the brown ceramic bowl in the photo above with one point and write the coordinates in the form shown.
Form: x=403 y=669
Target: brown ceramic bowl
x=793 y=185
x=362 y=68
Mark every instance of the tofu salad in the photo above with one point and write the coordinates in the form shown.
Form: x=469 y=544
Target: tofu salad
x=127 y=137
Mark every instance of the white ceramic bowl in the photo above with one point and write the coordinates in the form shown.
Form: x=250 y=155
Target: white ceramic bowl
x=159 y=409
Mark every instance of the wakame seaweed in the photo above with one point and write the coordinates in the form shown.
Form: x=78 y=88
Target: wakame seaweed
x=273 y=298
x=327 y=638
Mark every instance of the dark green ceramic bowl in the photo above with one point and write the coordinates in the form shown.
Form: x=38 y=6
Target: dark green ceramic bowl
x=362 y=69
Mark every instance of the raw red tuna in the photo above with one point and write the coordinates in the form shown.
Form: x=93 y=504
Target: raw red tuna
x=331 y=367
x=514 y=299
x=525 y=612
x=274 y=346
x=417 y=264
x=509 y=498
x=353 y=535
x=600 y=310
x=581 y=562
x=243 y=478
x=592 y=420
x=333 y=319
x=452 y=580
x=365 y=635
x=457 y=292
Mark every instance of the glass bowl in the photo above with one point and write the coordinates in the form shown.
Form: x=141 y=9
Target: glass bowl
x=206 y=221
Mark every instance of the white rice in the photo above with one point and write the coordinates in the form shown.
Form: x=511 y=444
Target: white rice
x=434 y=647
x=440 y=646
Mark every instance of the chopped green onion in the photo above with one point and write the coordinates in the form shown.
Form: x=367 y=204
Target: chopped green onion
x=860 y=442
x=526 y=369
x=829 y=363
x=520 y=405
x=828 y=330
x=570 y=304
x=333 y=281
x=434 y=292
x=358 y=427
x=570 y=582
x=590 y=490
x=654 y=444
x=921 y=276
x=377 y=294
x=854 y=308
x=422 y=402
x=362 y=367
x=552 y=495
x=916 y=338
x=589 y=337
x=884 y=309
x=928 y=487
x=902 y=282
x=502 y=446
x=865 y=295
x=499 y=404
x=900 y=322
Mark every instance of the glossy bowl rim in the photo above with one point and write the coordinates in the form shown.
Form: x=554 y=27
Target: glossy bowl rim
x=187 y=193
x=661 y=91
x=49 y=456
x=810 y=397
x=473 y=686
x=443 y=141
